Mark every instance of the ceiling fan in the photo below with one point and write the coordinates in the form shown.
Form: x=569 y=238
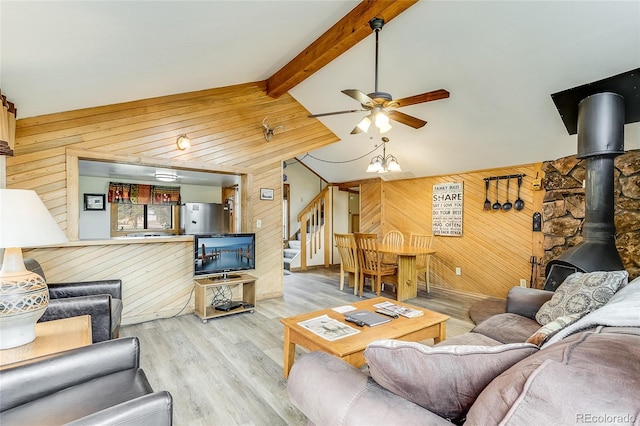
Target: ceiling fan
x=377 y=102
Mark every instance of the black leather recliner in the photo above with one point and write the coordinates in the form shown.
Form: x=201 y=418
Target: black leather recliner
x=100 y=299
x=96 y=384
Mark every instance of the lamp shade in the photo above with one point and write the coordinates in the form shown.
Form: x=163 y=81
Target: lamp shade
x=364 y=124
x=24 y=296
x=25 y=221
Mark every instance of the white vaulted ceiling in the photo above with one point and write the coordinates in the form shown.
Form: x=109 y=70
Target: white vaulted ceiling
x=500 y=60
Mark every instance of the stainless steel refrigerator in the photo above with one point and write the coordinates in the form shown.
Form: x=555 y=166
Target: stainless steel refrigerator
x=204 y=218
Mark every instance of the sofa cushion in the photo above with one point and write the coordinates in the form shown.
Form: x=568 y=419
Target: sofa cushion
x=585 y=376
x=507 y=328
x=470 y=338
x=80 y=400
x=582 y=293
x=446 y=379
x=620 y=311
x=547 y=331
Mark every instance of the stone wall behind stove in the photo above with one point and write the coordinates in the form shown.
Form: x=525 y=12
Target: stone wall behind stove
x=563 y=209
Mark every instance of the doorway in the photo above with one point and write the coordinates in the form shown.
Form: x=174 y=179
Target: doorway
x=286 y=211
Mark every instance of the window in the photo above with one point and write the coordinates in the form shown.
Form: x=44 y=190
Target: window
x=143 y=217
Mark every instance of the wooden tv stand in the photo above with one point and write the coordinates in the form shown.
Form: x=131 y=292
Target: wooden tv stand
x=243 y=289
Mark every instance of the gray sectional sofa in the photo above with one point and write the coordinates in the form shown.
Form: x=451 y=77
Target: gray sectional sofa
x=586 y=371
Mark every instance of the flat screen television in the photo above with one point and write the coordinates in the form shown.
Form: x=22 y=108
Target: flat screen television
x=219 y=254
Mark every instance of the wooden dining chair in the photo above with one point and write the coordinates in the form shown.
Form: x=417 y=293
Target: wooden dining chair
x=422 y=260
x=349 y=264
x=392 y=238
x=371 y=263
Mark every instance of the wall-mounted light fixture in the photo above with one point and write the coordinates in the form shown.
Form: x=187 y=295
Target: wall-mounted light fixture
x=166 y=175
x=384 y=163
x=183 y=142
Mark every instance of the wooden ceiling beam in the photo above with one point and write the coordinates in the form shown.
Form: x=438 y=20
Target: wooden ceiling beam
x=345 y=34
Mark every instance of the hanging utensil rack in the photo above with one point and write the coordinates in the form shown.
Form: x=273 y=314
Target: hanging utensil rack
x=496 y=206
x=490 y=178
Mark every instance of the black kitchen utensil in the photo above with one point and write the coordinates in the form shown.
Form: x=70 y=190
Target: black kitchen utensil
x=487 y=203
x=507 y=205
x=497 y=205
x=519 y=204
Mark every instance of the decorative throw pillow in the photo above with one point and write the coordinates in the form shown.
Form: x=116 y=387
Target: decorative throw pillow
x=547 y=331
x=445 y=380
x=581 y=293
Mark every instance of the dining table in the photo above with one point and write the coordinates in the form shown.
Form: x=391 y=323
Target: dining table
x=407 y=287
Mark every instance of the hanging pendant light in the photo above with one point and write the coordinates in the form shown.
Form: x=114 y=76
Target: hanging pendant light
x=384 y=163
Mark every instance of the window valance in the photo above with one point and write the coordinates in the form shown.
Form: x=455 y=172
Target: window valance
x=133 y=193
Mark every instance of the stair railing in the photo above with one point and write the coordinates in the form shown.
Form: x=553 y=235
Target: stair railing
x=315 y=224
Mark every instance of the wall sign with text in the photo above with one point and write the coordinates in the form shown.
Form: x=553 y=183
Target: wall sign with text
x=447 y=209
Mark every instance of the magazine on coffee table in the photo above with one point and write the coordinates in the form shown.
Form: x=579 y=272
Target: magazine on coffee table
x=328 y=328
x=400 y=310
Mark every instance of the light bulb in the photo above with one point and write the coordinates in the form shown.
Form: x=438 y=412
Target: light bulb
x=381 y=120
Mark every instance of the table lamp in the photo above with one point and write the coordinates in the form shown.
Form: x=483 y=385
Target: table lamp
x=24 y=296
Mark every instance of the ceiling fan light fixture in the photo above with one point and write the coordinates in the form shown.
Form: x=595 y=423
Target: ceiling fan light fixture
x=364 y=124
x=379 y=103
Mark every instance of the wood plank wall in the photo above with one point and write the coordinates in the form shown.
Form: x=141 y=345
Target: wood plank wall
x=146 y=295
x=224 y=125
x=496 y=246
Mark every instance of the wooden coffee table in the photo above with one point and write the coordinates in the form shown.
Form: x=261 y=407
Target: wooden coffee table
x=430 y=325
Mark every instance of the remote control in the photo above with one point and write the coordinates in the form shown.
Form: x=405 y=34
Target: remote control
x=355 y=321
x=387 y=313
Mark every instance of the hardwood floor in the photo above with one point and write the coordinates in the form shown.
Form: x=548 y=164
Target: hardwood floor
x=229 y=371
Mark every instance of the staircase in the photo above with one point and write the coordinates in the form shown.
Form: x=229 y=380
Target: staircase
x=291 y=252
x=312 y=247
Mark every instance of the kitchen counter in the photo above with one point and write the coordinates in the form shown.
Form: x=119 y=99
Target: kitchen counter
x=127 y=240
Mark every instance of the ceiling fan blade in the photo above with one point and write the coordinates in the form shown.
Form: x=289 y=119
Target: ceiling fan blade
x=358 y=96
x=324 y=114
x=424 y=97
x=408 y=120
x=356 y=130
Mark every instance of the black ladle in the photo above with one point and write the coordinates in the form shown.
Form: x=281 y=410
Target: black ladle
x=487 y=203
x=519 y=205
x=507 y=205
x=496 y=205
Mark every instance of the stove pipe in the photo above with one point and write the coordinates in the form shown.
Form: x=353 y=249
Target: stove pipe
x=601 y=120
